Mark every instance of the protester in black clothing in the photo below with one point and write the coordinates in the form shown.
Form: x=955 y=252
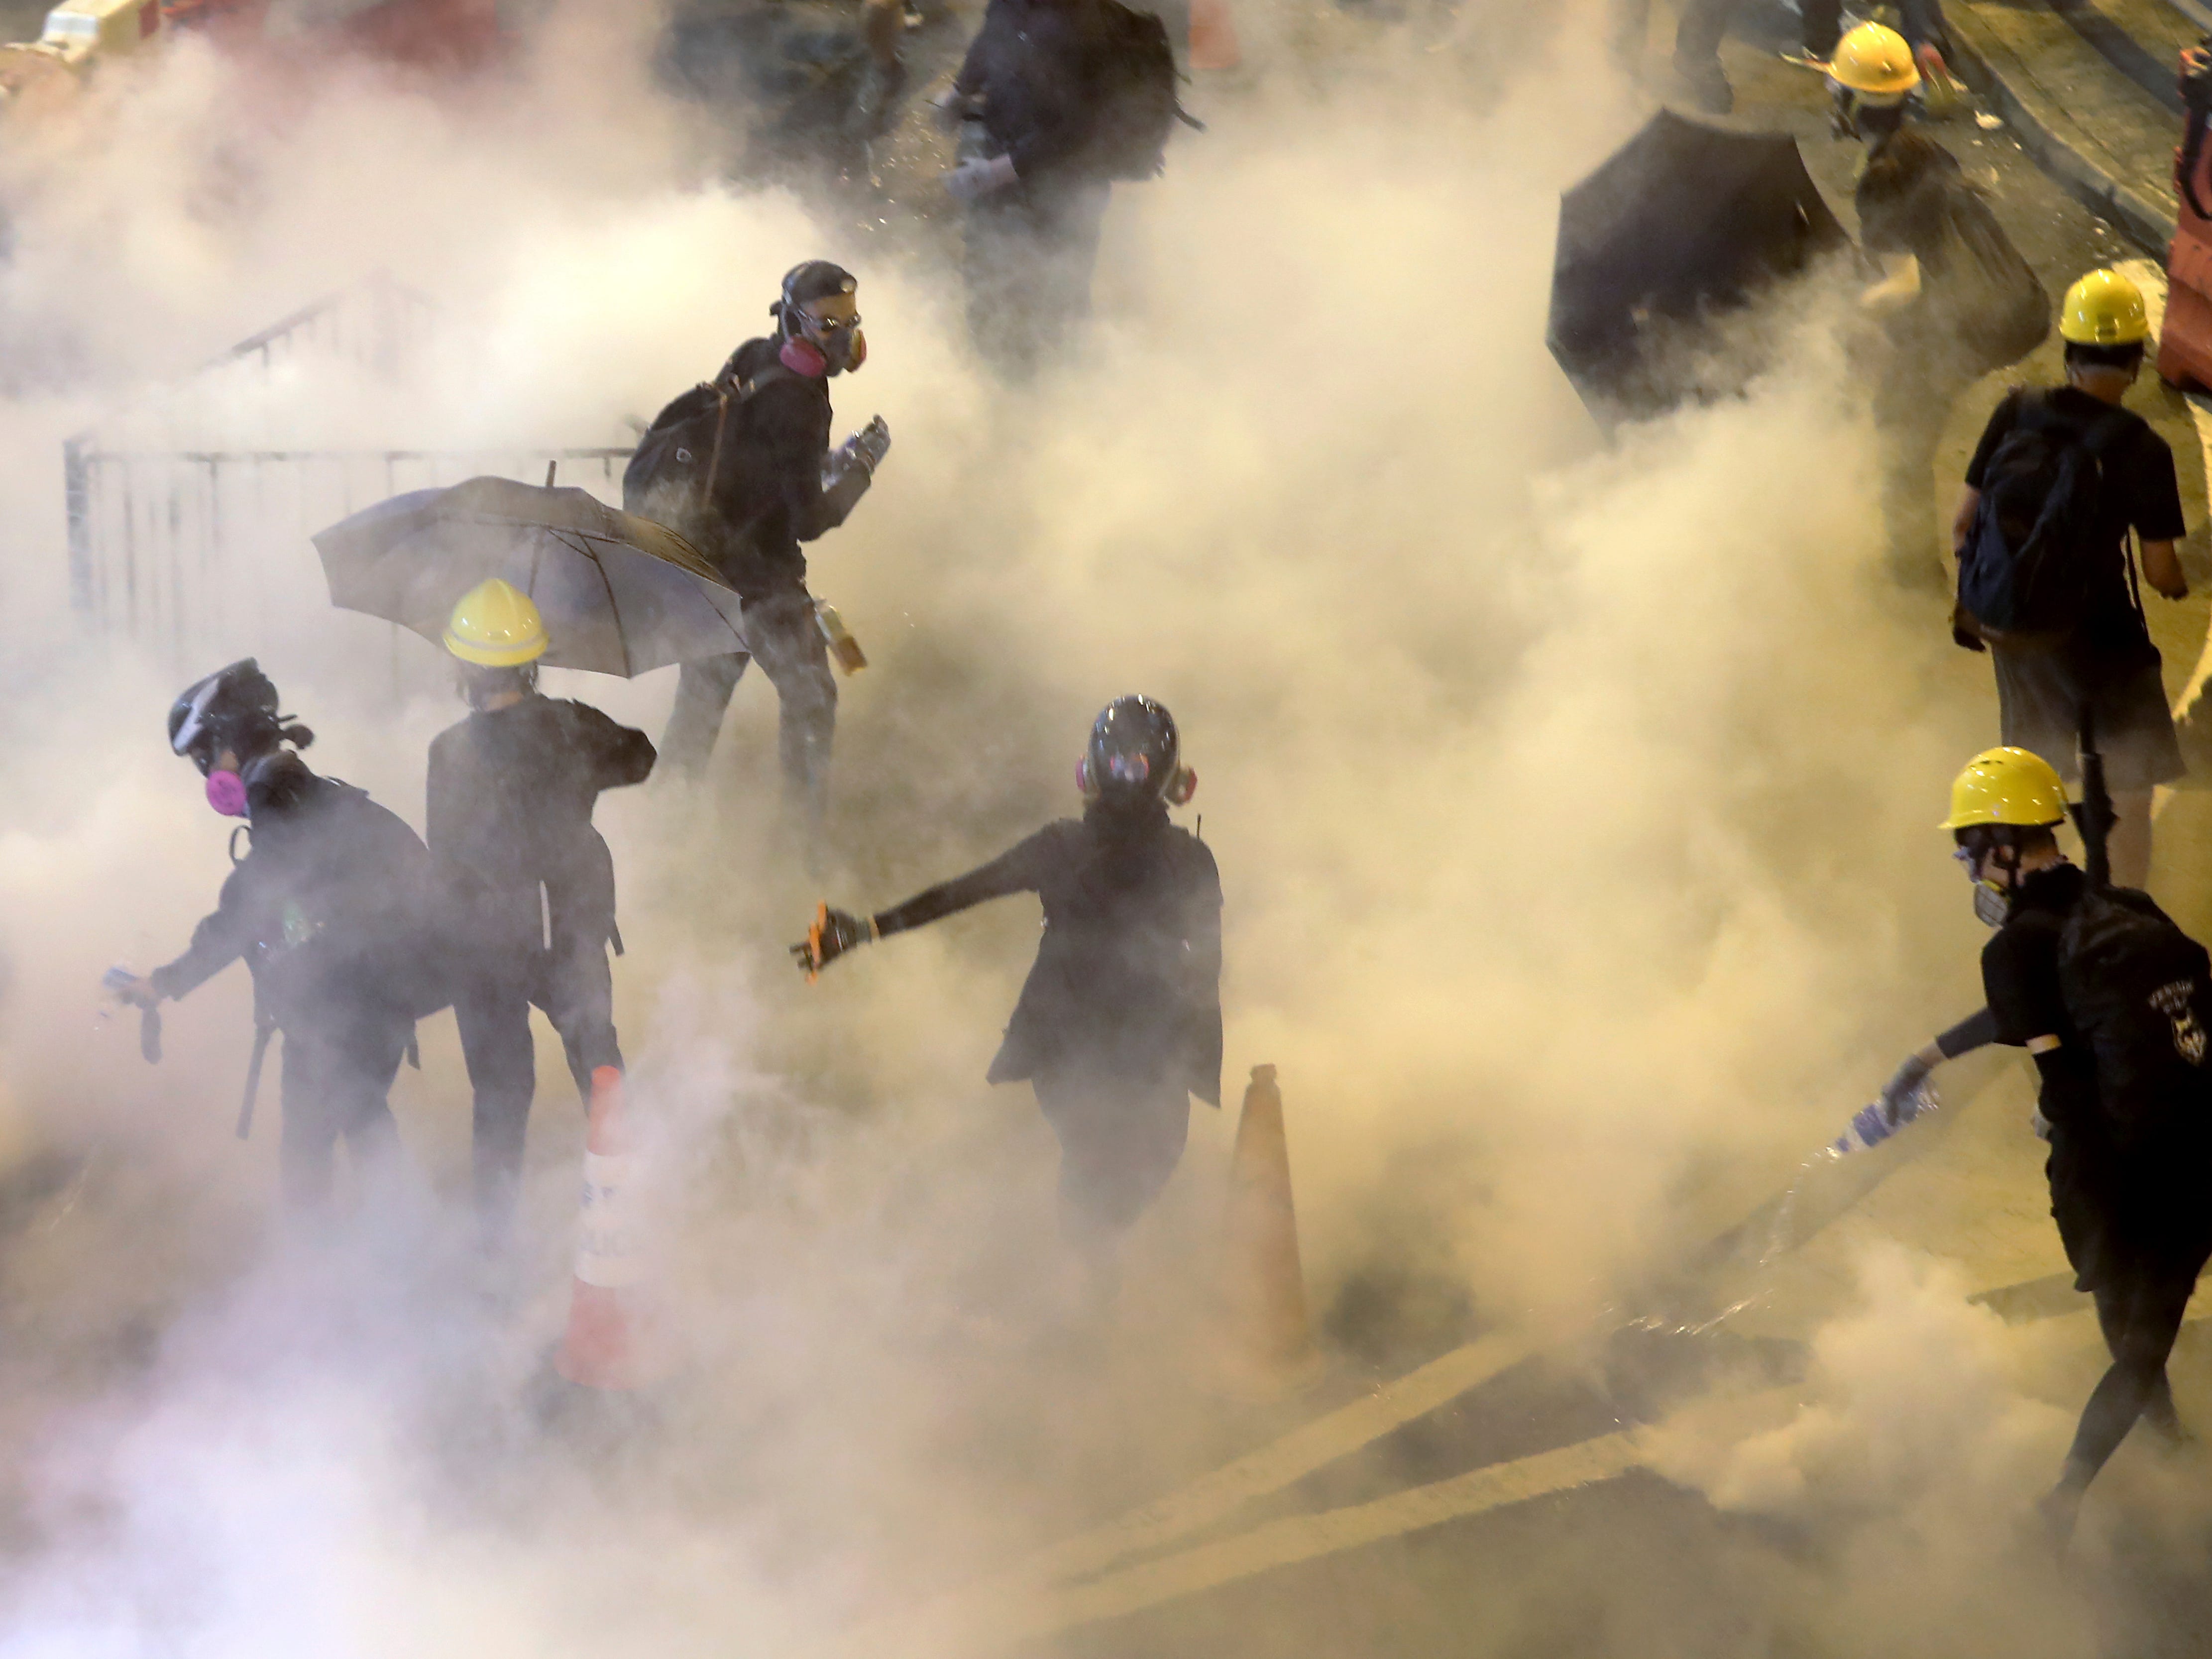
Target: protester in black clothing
x=330 y=908
x=742 y=466
x=2105 y=661
x=1701 y=25
x=1039 y=92
x=2131 y=1141
x=529 y=883
x=1920 y=22
x=1956 y=300
x=1119 y=1020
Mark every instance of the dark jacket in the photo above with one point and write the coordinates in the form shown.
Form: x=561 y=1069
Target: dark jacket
x=1979 y=299
x=333 y=909
x=1041 y=68
x=511 y=795
x=2124 y=1212
x=1128 y=977
x=768 y=495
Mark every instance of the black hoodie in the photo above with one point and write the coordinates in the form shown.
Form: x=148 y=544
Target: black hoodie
x=1128 y=977
x=331 y=907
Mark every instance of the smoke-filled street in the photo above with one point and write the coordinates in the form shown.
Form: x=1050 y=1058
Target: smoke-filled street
x=1527 y=675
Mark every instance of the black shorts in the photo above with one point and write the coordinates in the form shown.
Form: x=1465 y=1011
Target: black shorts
x=2140 y=1217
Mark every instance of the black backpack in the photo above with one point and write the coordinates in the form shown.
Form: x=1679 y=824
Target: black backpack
x=2136 y=989
x=672 y=474
x=2033 y=550
x=1137 y=104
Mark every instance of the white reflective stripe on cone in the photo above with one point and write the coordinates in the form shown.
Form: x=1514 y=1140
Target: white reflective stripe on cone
x=607 y=1252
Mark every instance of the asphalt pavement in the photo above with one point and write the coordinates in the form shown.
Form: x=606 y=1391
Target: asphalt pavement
x=1537 y=1509
x=1454 y=1489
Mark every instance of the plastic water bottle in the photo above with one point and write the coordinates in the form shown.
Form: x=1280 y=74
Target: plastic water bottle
x=1871 y=1126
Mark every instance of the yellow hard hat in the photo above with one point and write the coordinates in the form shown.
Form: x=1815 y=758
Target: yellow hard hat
x=496 y=626
x=2007 y=786
x=2105 y=309
x=1874 y=62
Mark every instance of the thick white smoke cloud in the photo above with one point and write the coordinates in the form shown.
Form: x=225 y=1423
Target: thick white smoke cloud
x=1572 y=804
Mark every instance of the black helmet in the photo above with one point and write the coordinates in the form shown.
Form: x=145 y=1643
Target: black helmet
x=812 y=279
x=233 y=708
x=1135 y=755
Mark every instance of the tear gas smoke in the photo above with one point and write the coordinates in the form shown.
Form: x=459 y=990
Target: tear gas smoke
x=1572 y=806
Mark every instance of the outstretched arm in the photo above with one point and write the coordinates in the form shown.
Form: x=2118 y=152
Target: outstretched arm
x=1012 y=872
x=1017 y=870
x=219 y=940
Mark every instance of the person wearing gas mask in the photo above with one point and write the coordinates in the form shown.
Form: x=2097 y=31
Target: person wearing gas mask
x=2110 y=999
x=529 y=883
x=331 y=909
x=742 y=466
x=1119 y=1022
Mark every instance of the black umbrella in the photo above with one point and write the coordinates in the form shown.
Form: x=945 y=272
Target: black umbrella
x=620 y=594
x=1685 y=222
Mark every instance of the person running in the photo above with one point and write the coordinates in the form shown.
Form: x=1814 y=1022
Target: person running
x=332 y=910
x=1119 y=1022
x=2111 y=1000
x=529 y=883
x=742 y=466
x=2060 y=477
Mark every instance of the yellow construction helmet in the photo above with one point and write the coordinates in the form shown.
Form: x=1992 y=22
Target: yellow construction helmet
x=496 y=626
x=1874 y=62
x=2007 y=786
x=2104 y=309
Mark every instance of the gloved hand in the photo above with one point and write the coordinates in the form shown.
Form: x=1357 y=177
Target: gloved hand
x=867 y=447
x=127 y=988
x=834 y=933
x=1898 y=1098
x=973 y=178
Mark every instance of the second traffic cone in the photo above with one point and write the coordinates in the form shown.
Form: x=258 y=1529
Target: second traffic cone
x=605 y=1348
x=1268 y=1345
x=1213 y=36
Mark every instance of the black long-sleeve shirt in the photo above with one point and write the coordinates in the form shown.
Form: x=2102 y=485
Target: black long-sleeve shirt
x=1127 y=976
x=1038 y=66
x=768 y=495
x=511 y=795
x=331 y=909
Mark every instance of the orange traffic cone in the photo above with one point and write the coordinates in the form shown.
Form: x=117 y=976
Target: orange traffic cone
x=1213 y=36
x=1267 y=1346
x=604 y=1346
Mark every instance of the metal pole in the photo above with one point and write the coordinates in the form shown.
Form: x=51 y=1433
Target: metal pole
x=77 y=500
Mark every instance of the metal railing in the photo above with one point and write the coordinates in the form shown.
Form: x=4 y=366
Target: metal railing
x=189 y=536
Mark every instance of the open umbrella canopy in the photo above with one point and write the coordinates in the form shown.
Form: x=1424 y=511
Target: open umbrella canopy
x=1686 y=220
x=620 y=594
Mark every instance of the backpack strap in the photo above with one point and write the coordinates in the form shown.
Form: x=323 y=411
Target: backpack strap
x=2097 y=441
x=2106 y=430
x=703 y=490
